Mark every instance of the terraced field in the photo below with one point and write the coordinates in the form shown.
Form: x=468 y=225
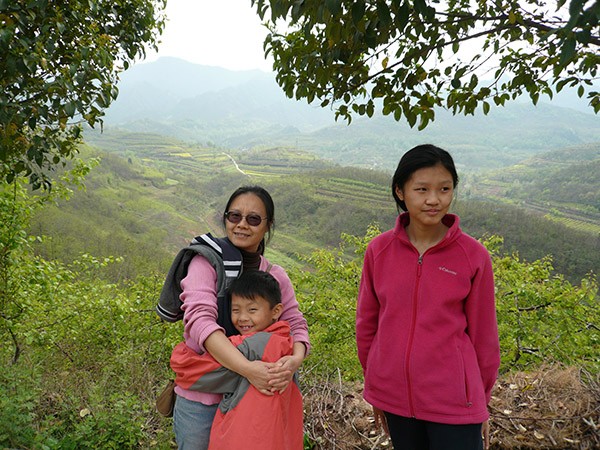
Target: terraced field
x=576 y=224
x=317 y=201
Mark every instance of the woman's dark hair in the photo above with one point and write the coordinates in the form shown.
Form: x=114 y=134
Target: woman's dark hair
x=416 y=158
x=261 y=193
x=254 y=282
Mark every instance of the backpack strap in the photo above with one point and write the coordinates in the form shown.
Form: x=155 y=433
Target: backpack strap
x=232 y=266
x=223 y=256
x=230 y=259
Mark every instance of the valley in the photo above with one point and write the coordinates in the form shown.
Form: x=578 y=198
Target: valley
x=157 y=192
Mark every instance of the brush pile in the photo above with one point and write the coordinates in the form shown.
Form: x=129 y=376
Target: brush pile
x=550 y=408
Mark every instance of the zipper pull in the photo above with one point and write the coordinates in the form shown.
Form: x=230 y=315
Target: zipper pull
x=419 y=265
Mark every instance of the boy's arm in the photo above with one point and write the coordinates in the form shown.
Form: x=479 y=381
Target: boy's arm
x=201 y=372
x=225 y=352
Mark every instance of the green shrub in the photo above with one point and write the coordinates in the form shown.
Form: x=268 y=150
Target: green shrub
x=327 y=296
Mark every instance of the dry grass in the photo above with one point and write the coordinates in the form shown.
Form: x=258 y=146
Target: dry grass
x=550 y=408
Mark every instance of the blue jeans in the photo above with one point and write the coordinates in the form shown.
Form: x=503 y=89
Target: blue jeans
x=192 y=422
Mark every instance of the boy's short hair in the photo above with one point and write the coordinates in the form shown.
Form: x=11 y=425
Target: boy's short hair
x=255 y=282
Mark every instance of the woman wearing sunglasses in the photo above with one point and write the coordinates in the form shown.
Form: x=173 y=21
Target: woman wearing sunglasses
x=248 y=216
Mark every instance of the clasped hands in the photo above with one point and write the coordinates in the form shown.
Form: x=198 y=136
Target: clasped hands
x=270 y=378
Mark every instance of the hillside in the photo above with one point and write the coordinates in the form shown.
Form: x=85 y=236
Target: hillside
x=502 y=138
x=246 y=109
x=151 y=194
x=563 y=186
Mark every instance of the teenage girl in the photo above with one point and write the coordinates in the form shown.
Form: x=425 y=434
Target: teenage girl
x=426 y=325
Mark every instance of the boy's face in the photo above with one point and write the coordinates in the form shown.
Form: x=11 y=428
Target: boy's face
x=250 y=315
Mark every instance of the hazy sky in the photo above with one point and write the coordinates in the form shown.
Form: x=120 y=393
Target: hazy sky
x=224 y=33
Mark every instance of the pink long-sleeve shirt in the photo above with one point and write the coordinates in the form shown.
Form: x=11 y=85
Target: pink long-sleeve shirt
x=199 y=299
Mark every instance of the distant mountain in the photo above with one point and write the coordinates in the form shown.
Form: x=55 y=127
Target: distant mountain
x=149 y=90
x=171 y=90
x=504 y=137
x=247 y=109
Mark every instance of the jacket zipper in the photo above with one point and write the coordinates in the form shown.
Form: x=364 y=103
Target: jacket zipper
x=411 y=337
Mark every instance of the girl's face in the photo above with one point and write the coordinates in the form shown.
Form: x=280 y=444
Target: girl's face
x=242 y=235
x=427 y=195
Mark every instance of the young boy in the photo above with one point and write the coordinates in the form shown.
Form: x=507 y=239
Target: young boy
x=246 y=418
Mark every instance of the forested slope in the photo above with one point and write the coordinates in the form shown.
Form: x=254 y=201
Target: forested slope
x=150 y=195
x=85 y=354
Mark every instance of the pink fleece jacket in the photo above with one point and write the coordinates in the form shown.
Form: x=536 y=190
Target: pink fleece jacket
x=199 y=307
x=426 y=326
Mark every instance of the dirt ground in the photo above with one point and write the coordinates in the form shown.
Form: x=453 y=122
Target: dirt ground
x=551 y=408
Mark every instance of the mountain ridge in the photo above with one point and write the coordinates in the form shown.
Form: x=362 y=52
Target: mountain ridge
x=247 y=109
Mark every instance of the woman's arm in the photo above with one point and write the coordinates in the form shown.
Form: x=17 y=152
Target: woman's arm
x=201 y=331
x=199 y=306
x=226 y=354
x=282 y=373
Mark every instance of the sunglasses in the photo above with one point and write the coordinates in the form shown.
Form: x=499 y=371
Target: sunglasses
x=252 y=219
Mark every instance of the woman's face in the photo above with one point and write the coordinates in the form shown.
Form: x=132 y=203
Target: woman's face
x=242 y=235
x=427 y=195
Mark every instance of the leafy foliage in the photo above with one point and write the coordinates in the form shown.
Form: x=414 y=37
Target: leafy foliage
x=327 y=295
x=59 y=63
x=93 y=353
x=542 y=317
x=420 y=55
x=82 y=355
x=16 y=210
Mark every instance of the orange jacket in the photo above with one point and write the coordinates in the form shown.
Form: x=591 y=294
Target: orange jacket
x=246 y=418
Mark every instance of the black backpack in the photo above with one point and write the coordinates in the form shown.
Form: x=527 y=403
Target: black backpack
x=227 y=262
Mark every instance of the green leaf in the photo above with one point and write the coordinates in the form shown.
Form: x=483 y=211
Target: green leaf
x=383 y=12
x=412 y=118
x=297 y=9
x=421 y=7
x=334 y=7
x=568 y=50
x=560 y=85
x=70 y=108
x=402 y=16
x=358 y=11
